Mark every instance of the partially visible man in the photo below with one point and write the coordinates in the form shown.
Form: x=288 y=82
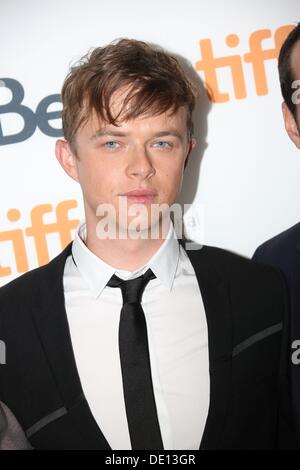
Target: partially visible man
x=12 y=436
x=284 y=250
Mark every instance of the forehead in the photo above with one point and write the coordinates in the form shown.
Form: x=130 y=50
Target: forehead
x=122 y=103
x=141 y=124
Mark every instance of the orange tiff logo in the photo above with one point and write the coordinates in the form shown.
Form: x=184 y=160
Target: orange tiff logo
x=38 y=231
x=257 y=55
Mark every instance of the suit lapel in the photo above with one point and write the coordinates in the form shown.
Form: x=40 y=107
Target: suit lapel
x=216 y=298
x=53 y=329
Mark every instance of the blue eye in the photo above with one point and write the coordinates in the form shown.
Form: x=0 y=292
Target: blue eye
x=111 y=144
x=162 y=144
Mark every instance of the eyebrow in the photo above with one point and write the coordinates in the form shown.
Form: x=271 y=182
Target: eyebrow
x=103 y=132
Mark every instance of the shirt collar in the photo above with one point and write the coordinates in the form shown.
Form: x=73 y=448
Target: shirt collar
x=97 y=272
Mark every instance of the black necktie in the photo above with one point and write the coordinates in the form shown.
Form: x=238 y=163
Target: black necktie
x=135 y=365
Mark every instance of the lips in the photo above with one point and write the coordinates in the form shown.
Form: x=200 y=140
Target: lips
x=140 y=192
x=140 y=195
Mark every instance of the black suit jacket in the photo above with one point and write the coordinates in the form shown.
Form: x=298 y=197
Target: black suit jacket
x=283 y=251
x=245 y=308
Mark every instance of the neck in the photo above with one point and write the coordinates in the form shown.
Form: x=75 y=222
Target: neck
x=126 y=254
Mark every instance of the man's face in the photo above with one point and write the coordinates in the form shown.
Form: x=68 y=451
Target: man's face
x=145 y=153
x=292 y=124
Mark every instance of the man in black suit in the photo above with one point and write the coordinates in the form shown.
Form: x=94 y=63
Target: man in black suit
x=133 y=338
x=283 y=251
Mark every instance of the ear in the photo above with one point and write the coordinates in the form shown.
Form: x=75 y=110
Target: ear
x=66 y=158
x=291 y=125
x=192 y=145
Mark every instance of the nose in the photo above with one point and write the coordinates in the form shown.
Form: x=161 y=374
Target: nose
x=140 y=164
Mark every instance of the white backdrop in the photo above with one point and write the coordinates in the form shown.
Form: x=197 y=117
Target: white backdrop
x=242 y=179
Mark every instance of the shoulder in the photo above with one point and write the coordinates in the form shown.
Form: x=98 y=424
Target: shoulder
x=256 y=293
x=284 y=241
x=280 y=250
x=25 y=284
x=18 y=296
x=247 y=279
x=17 y=299
x=26 y=289
x=235 y=267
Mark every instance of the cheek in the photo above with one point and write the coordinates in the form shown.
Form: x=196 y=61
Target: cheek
x=173 y=174
x=96 y=174
x=170 y=185
x=91 y=179
x=171 y=167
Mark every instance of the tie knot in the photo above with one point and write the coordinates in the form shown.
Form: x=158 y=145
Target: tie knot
x=132 y=289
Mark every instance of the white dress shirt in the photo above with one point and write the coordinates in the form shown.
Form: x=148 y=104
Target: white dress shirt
x=177 y=334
